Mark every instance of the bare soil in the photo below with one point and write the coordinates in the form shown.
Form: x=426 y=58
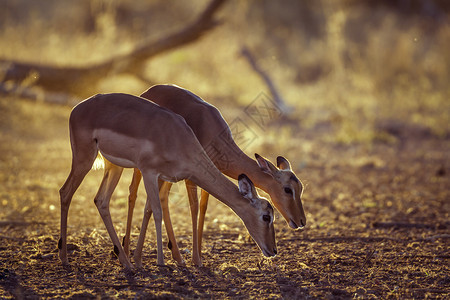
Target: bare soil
x=378 y=224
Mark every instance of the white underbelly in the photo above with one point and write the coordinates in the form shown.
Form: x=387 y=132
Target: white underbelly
x=172 y=178
x=122 y=162
x=120 y=149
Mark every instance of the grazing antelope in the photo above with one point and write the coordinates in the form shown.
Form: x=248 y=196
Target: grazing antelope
x=131 y=132
x=213 y=133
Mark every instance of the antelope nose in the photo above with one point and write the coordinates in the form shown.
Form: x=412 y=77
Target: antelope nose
x=303 y=222
x=292 y=224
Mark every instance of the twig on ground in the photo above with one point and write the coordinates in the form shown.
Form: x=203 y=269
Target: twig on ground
x=368 y=257
x=20 y=223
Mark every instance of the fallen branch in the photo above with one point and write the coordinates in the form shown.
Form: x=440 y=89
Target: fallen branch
x=346 y=239
x=3 y=237
x=438 y=236
x=19 y=223
x=79 y=80
x=38 y=94
x=402 y=225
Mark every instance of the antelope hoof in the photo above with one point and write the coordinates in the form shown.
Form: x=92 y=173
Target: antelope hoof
x=181 y=263
x=161 y=264
x=197 y=262
x=128 y=266
x=129 y=269
x=64 y=261
x=139 y=265
x=199 y=265
x=65 y=264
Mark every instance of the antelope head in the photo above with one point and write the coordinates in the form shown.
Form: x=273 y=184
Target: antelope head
x=258 y=218
x=285 y=191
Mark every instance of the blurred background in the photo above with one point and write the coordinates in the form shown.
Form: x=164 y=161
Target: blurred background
x=351 y=63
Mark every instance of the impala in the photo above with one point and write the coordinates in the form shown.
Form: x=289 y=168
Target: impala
x=213 y=133
x=131 y=132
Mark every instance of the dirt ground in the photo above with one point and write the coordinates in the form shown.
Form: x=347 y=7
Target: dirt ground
x=378 y=223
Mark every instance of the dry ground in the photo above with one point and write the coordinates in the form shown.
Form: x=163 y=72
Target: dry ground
x=378 y=223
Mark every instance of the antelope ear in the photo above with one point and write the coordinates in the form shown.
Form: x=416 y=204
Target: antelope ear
x=283 y=163
x=265 y=165
x=246 y=187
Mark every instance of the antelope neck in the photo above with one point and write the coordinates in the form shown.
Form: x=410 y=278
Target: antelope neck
x=245 y=165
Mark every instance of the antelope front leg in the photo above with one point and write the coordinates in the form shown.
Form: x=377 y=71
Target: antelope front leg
x=153 y=204
x=140 y=243
x=173 y=246
x=193 y=202
x=131 y=203
x=201 y=219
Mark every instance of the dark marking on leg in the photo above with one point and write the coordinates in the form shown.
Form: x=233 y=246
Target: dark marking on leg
x=116 y=250
x=123 y=242
x=60 y=243
x=169 y=245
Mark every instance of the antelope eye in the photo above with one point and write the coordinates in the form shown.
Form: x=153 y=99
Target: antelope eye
x=266 y=218
x=288 y=190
